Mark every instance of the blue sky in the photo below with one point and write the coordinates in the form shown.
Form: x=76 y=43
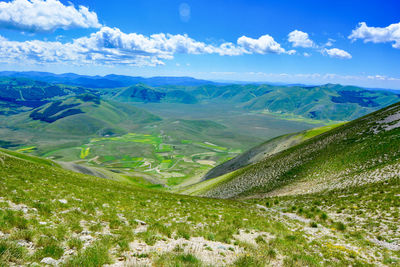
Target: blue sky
x=313 y=42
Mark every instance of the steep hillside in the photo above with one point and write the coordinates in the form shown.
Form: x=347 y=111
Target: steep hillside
x=19 y=94
x=83 y=115
x=50 y=216
x=260 y=152
x=330 y=102
x=326 y=103
x=360 y=152
x=147 y=94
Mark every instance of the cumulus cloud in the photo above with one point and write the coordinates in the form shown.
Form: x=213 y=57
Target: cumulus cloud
x=337 y=53
x=112 y=46
x=330 y=42
x=45 y=15
x=263 y=45
x=387 y=34
x=300 y=39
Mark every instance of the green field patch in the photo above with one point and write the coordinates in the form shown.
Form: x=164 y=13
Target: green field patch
x=27 y=149
x=132 y=164
x=131 y=137
x=210 y=146
x=164 y=148
x=298 y=118
x=317 y=131
x=186 y=141
x=137 y=158
x=84 y=152
x=106 y=158
x=165 y=164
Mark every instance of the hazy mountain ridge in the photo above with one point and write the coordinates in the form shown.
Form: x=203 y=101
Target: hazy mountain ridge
x=330 y=102
x=326 y=102
x=107 y=81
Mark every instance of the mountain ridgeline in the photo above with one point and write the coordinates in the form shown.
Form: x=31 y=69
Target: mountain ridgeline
x=328 y=102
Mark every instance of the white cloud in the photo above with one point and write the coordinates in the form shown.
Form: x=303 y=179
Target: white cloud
x=45 y=15
x=306 y=54
x=263 y=45
x=387 y=34
x=300 y=39
x=291 y=52
x=110 y=46
x=337 y=53
x=330 y=42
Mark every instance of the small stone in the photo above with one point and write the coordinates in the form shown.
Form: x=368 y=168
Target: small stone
x=140 y=222
x=85 y=238
x=69 y=252
x=63 y=201
x=49 y=261
x=261 y=207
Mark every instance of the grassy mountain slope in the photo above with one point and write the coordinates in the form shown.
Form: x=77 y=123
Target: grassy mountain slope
x=360 y=152
x=330 y=102
x=19 y=94
x=264 y=150
x=326 y=102
x=83 y=115
x=147 y=94
x=50 y=215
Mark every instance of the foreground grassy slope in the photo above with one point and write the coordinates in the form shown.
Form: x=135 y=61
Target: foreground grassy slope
x=362 y=151
x=53 y=216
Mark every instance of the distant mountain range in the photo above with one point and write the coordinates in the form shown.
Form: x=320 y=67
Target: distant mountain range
x=330 y=102
x=108 y=81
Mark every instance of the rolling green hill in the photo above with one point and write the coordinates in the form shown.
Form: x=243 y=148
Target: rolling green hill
x=360 y=152
x=147 y=94
x=327 y=103
x=20 y=94
x=82 y=115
